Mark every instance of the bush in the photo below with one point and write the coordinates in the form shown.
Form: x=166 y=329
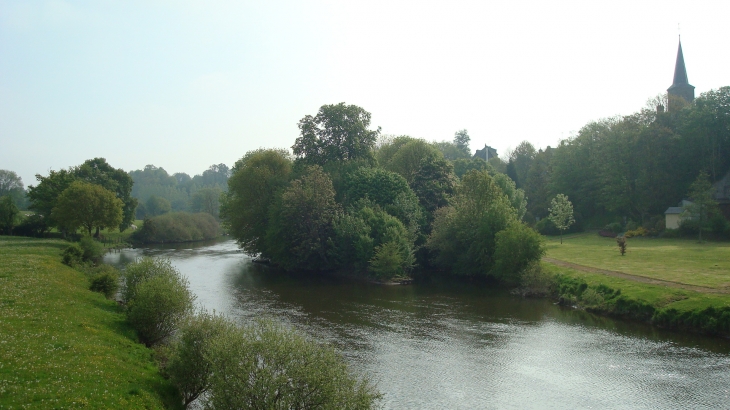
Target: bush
x=719 y=225
x=93 y=250
x=614 y=227
x=670 y=233
x=516 y=248
x=534 y=281
x=105 y=279
x=268 y=366
x=160 y=303
x=73 y=255
x=189 y=366
x=640 y=231
x=141 y=270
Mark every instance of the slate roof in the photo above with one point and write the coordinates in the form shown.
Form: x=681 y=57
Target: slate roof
x=674 y=210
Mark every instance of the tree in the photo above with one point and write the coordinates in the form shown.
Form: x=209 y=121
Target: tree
x=434 y=183
x=89 y=206
x=703 y=202
x=206 y=200
x=463 y=237
x=98 y=171
x=8 y=214
x=302 y=222
x=11 y=184
x=520 y=160
x=156 y=205
x=255 y=183
x=338 y=132
x=461 y=140
x=44 y=196
x=561 y=213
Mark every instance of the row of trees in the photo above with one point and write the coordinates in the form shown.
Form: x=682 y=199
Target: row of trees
x=632 y=166
x=345 y=203
x=158 y=192
x=92 y=196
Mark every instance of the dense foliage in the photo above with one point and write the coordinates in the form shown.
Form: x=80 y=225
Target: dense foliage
x=346 y=205
x=177 y=227
x=632 y=166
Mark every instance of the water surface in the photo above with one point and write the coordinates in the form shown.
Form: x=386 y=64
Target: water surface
x=459 y=346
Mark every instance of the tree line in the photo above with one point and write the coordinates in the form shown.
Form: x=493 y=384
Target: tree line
x=632 y=166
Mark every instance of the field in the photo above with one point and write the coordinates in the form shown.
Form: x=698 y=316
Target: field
x=666 y=273
x=63 y=346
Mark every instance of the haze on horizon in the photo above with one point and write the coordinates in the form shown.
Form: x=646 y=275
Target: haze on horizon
x=183 y=85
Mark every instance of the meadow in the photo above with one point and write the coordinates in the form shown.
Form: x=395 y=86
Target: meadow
x=63 y=346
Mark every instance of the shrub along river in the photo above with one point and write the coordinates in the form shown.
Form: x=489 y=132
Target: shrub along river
x=445 y=345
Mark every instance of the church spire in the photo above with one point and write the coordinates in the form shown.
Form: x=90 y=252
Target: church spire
x=680 y=87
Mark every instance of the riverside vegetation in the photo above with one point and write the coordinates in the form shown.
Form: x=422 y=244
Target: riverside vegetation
x=64 y=346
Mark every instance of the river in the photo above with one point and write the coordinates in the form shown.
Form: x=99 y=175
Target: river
x=459 y=346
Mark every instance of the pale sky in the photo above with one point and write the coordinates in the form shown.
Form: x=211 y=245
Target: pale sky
x=186 y=84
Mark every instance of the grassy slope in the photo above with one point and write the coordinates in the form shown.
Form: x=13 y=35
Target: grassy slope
x=677 y=260
x=63 y=346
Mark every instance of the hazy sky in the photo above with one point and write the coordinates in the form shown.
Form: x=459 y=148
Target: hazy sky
x=184 y=84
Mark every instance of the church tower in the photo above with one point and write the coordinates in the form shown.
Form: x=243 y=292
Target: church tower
x=681 y=87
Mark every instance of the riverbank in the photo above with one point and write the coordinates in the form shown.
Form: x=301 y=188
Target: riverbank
x=63 y=346
x=672 y=283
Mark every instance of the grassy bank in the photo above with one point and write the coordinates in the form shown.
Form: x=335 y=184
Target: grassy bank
x=672 y=283
x=63 y=346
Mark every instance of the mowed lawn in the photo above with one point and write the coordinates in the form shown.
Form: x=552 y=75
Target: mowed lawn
x=63 y=346
x=675 y=260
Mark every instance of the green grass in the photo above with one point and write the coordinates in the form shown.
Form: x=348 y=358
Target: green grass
x=63 y=346
x=661 y=297
x=676 y=260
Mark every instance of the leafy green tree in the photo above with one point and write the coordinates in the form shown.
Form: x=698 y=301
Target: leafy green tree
x=11 y=184
x=302 y=222
x=386 y=189
x=338 y=132
x=407 y=160
x=462 y=166
x=515 y=196
x=703 y=201
x=87 y=205
x=520 y=160
x=156 y=205
x=434 y=183
x=44 y=196
x=206 y=200
x=268 y=366
x=141 y=270
x=538 y=184
x=98 y=171
x=463 y=238
x=8 y=214
x=461 y=140
x=255 y=184
x=561 y=213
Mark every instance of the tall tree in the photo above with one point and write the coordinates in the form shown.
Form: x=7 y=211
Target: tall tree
x=703 y=201
x=88 y=205
x=8 y=214
x=98 y=171
x=206 y=200
x=338 y=132
x=11 y=184
x=521 y=159
x=302 y=222
x=44 y=196
x=254 y=185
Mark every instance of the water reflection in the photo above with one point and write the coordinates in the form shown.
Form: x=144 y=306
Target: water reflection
x=444 y=345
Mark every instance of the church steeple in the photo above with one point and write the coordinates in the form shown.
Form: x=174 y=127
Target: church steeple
x=681 y=87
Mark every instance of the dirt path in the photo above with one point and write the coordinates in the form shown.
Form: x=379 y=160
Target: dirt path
x=636 y=278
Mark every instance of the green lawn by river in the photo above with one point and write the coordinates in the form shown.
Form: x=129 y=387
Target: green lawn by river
x=680 y=261
x=63 y=346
